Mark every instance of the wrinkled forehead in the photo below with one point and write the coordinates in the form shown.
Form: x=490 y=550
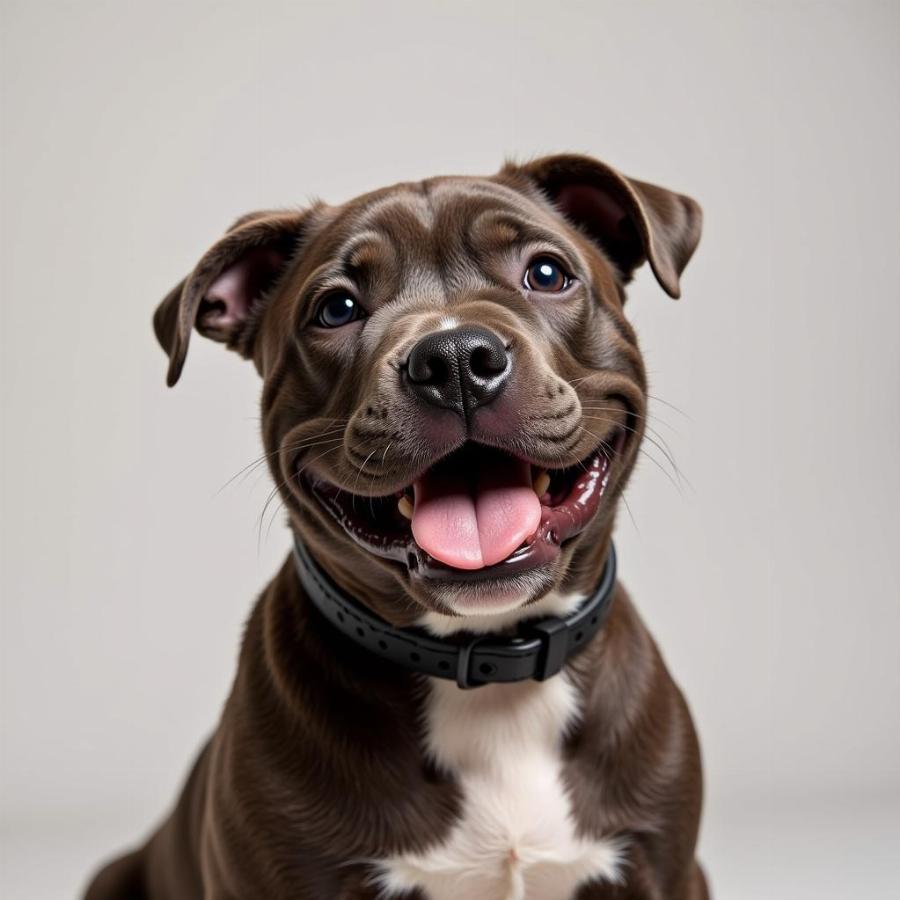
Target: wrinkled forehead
x=441 y=226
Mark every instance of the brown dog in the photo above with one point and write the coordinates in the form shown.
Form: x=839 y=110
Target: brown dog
x=453 y=401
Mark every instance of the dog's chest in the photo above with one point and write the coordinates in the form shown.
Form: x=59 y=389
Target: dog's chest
x=516 y=838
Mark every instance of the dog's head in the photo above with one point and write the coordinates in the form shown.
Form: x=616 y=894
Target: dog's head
x=453 y=398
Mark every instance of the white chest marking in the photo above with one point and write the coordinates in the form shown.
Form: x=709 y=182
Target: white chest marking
x=515 y=839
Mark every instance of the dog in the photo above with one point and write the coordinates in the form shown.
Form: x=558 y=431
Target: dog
x=444 y=692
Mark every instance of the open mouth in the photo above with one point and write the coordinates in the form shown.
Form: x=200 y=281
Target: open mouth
x=478 y=513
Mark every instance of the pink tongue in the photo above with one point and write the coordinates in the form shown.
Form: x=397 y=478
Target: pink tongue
x=471 y=520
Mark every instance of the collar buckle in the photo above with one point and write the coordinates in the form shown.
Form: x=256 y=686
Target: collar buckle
x=464 y=663
x=553 y=634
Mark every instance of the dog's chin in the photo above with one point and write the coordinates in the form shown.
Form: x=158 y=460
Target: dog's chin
x=489 y=596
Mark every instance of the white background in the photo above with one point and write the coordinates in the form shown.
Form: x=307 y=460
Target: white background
x=134 y=133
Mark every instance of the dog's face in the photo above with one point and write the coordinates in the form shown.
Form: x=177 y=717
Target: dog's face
x=453 y=399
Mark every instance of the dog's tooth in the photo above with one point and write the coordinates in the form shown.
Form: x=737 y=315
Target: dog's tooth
x=541 y=483
x=405 y=507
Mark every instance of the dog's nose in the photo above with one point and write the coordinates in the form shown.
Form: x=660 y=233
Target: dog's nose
x=459 y=369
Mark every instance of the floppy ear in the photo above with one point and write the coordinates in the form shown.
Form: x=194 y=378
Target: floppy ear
x=224 y=294
x=631 y=220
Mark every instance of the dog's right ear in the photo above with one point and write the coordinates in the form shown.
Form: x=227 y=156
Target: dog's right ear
x=225 y=294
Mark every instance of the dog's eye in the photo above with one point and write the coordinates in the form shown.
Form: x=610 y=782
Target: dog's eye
x=545 y=274
x=338 y=308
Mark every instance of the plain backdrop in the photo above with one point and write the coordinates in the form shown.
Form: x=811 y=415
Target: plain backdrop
x=767 y=566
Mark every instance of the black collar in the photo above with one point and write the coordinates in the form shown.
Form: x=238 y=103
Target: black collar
x=538 y=649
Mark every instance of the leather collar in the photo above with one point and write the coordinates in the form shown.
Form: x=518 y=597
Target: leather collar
x=538 y=649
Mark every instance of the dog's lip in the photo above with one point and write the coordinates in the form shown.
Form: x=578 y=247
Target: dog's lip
x=562 y=518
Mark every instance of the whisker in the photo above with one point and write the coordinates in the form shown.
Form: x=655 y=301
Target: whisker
x=648 y=427
x=652 y=459
x=662 y=447
x=670 y=405
x=359 y=472
x=276 y=490
x=272 y=520
x=372 y=482
x=266 y=456
x=646 y=419
x=608 y=449
x=630 y=513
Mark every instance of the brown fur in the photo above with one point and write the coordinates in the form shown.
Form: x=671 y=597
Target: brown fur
x=317 y=760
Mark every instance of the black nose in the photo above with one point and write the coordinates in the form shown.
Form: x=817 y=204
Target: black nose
x=459 y=369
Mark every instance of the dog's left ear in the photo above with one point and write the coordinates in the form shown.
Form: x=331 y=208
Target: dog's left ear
x=223 y=295
x=631 y=220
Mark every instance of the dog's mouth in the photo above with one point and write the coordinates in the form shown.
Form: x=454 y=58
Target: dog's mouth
x=478 y=513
